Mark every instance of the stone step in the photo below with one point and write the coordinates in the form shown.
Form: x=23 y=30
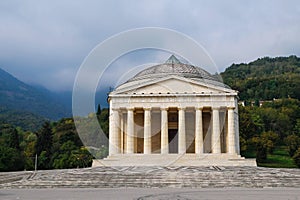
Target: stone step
x=183 y=176
x=174 y=160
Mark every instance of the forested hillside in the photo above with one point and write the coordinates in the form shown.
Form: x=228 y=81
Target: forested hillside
x=265 y=79
x=22 y=119
x=56 y=144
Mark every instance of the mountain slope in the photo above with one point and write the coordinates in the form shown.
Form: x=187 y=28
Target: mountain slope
x=266 y=78
x=26 y=120
x=16 y=95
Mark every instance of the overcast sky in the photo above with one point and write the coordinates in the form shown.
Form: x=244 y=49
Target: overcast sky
x=45 y=42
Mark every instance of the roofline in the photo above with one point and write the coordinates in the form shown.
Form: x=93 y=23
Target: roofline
x=173 y=95
x=128 y=88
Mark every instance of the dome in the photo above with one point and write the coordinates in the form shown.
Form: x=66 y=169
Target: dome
x=173 y=67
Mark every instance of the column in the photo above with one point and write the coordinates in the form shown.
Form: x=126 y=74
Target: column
x=122 y=133
x=198 y=131
x=231 y=149
x=130 y=131
x=215 y=140
x=114 y=137
x=236 y=129
x=181 y=131
x=125 y=132
x=164 y=131
x=147 y=130
x=111 y=132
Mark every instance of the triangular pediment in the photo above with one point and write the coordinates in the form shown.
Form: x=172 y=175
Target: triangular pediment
x=171 y=85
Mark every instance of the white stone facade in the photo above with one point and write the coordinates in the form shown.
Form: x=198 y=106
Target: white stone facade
x=173 y=108
x=124 y=110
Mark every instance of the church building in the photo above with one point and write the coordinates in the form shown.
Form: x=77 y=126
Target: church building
x=174 y=114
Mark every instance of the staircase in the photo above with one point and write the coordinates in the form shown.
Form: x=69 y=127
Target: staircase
x=175 y=160
x=154 y=177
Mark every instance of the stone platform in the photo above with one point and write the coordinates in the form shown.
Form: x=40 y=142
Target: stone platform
x=175 y=160
x=154 y=177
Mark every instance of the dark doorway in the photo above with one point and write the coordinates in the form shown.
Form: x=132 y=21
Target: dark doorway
x=173 y=141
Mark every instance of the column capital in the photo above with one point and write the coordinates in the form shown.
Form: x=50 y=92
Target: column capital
x=164 y=108
x=230 y=108
x=130 y=109
x=198 y=108
x=147 y=108
x=215 y=108
x=181 y=108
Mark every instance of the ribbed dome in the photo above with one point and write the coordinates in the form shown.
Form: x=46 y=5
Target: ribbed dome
x=173 y=67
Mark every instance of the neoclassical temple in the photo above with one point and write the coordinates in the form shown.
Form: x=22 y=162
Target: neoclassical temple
x=174 y=109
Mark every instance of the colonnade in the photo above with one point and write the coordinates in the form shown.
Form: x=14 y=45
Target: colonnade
x=116 y=130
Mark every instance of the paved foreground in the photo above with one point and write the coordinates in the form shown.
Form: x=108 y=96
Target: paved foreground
x=154 y=177
x=151 y=194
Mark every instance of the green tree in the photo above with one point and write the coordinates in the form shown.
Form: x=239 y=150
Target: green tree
x=296 y=158
x=69 y=156
x=250 y=122
x=265 y=144
x=13 y=140
x=98 y=113
x=261 y=149
x=293 y=143
x=10 y=159
x=297 y=127
x=28 y=146
x=44 y=144
x=104 y=120
x=243 y=145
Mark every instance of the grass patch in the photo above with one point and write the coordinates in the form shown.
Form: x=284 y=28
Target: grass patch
x=279 y=159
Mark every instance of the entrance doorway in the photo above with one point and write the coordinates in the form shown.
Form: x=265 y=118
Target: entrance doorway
x=173 y=140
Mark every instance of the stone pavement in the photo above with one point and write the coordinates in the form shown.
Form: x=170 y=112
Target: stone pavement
x=151 y=193
x=154 y=177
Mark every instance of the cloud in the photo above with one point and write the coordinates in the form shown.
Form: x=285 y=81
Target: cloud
x=45 y=42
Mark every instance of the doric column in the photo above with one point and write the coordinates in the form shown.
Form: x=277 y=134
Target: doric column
x=130 y=131
x=181 y=131
x=164 y=131
x=147 y=130
x=198 y=131
x=215 y=140
x=231 y=132
x=114 y=137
